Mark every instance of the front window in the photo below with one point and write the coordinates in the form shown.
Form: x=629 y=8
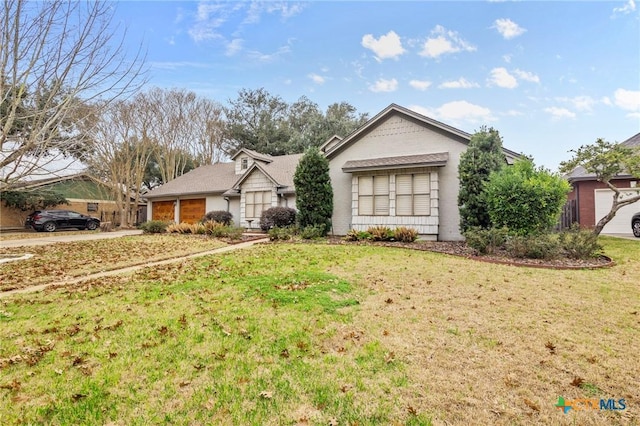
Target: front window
x=412 y=195
x=244 y=163
x=256 y=202
x=373 y=195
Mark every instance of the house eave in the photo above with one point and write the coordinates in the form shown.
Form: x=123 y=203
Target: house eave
x=394 y=167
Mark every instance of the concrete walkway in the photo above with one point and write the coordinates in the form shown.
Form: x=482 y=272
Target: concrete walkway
x=51 y=238
x=130 y=269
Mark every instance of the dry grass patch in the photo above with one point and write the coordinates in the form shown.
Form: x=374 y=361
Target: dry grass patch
x=58 y=261
x=489 y=344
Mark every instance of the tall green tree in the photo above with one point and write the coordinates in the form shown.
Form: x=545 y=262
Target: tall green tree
x=314 y=194
x=606 y=161
x=525 y=199
x=483 y=157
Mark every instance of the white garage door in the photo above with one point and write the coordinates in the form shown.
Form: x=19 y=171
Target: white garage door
x=621 y=223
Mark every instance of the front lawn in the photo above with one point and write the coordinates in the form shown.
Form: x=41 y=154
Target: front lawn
x=320 y=334
x=55 y=262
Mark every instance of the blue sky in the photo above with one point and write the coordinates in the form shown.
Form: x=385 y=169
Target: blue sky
x=550 y=76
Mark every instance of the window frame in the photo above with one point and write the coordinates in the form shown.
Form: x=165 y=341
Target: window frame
x=252 y=206
x=380 y=202
x=414 y=193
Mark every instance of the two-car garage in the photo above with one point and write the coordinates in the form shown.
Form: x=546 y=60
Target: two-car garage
x=190 y=211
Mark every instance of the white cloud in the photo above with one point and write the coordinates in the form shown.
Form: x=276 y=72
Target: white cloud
x=387 y=46
x=559 y=113
x=457 y=112
x=526 y=76
x=209 y=17
x=383 y=85
x=508 y=29
x=269 y=57
x=318 y=79
x=500 y=77
x=443 y=41
x=581 y=103
x=629 y=7
x=461 y=83
x=256 y=9
x=420 y=84
x=234 y=46
x=628 y=100
x=507 y=58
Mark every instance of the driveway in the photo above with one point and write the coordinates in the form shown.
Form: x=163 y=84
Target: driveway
x=52 y=238
x=628 y=236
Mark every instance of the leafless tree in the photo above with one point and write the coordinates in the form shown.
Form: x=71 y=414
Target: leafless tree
x=207 y=146
x=56 y=57
x=120 y=153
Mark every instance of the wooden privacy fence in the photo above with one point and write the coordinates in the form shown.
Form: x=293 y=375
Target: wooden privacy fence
x=114 y=217
x=569 y=215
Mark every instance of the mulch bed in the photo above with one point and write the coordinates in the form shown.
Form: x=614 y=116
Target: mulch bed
x=460 y=248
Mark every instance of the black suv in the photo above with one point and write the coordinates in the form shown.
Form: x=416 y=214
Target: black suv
x=635 y=224
x=50 y=220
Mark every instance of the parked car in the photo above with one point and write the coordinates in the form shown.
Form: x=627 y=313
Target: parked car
x=635 y=224
x=50 y=220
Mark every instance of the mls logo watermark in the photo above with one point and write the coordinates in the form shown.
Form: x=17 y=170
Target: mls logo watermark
x=590 y=404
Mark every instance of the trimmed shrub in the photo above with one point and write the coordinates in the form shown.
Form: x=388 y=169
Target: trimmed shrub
x=277 y=217
x=486 y=241
x=234 y=232
x=381 y=233
x=541 y=246
x=405 y=235
x=313 y=232
x=220 y=216
x=154 y=227
x=282 y=233
x=580 y=243
x=524 y=198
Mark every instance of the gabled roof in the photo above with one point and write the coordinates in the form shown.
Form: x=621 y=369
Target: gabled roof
x=332 y=140
x=213 y=178
x=280 y=171
x=579 y=173
x=253 y=154
x=400 y=162
x=392 y=109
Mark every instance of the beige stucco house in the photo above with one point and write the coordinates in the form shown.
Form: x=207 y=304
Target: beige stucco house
x=399 y=169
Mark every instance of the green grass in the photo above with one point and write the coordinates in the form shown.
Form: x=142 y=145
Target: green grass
x=292 y=334
x=245 y=338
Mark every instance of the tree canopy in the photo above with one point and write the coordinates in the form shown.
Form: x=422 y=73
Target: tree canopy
x=608 y=161
x=265 y=123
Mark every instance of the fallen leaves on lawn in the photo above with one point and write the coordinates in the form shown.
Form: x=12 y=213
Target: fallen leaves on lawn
x=266 y=394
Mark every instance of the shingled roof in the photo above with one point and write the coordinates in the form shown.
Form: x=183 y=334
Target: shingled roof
x=399 y=162
x=211 y=179
x=280 y=170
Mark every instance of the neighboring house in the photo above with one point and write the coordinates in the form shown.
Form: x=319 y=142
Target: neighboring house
x=398 y=169
x=85 y=194
x=593 y=199
x=249 y=184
